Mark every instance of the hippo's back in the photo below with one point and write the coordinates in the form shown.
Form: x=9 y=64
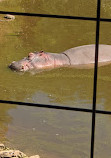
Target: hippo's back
x=86 y=54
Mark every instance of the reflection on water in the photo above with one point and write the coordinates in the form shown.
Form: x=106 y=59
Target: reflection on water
x=52 y=133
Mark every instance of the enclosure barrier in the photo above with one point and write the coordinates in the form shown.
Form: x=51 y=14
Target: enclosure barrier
x=93 y=110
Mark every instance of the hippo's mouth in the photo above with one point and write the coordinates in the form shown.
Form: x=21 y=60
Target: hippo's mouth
x=21 y=66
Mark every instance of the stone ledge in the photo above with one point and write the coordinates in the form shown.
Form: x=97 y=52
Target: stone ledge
x=9 y=153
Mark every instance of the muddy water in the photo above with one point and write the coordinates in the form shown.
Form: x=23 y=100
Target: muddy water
x=53 y=133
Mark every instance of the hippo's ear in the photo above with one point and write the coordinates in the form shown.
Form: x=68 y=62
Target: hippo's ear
x=42 y=53
x=30 y=54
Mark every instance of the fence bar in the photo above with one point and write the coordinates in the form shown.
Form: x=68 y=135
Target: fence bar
x=45 y=106
x=54 y=107
x=95 y=78
x=55 y=16
x=48 y=15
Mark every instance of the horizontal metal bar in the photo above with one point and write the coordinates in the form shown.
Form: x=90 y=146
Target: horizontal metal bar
x=55 y=16
x=47 y=15
x=54 y=107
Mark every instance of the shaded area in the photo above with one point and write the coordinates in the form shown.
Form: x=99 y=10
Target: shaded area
x=47 y=133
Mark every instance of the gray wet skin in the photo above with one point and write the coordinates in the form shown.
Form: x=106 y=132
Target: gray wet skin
x=82 y=55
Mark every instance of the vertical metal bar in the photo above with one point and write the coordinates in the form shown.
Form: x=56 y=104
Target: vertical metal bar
x=95 y=78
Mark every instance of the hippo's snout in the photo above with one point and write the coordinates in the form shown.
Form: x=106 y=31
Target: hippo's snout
x=21 y=66
x=15 y=66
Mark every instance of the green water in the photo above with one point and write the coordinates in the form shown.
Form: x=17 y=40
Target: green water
x=53 y=133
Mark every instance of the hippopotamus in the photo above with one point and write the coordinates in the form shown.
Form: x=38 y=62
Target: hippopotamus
x=78 y=56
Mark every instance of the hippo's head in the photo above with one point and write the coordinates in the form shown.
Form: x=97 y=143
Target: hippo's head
x=34 y=61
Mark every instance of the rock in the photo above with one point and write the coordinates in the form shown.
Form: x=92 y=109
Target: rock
x=35 y=156
x=11 y=153
x=2 y=147
x=8 y=16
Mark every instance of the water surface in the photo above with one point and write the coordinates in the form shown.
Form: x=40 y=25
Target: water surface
x=53 y=133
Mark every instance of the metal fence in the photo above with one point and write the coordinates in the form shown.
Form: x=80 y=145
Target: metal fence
x=93 y=111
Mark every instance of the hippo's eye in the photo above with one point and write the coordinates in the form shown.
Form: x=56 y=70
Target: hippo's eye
x=40 y=54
